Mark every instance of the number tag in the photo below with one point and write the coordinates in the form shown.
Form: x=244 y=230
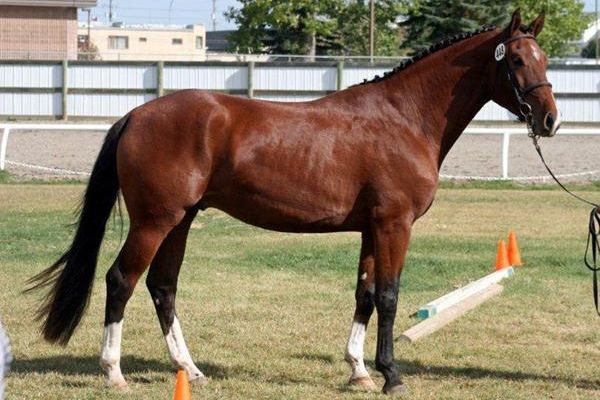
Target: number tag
x=500 y=52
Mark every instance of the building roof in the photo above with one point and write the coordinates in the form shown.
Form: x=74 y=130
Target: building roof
x=50 y=3
x=217 y=41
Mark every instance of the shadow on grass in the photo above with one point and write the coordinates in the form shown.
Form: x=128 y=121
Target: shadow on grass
x=72 y=366
x=418 y=368
x=84 y=365
x=89 y=365
x=327 y=358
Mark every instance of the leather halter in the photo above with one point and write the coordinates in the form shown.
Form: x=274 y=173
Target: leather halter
x=520 y=93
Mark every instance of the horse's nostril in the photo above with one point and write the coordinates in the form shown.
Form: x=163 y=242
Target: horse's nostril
x=548 y=122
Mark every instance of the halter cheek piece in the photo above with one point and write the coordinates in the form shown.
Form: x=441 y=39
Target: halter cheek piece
x=524 y=107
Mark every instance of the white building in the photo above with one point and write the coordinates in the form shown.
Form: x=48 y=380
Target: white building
x=144 y=42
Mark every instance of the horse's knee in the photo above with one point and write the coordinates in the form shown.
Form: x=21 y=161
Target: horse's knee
x=163 y=298
x=365 y=301
x=386 y=301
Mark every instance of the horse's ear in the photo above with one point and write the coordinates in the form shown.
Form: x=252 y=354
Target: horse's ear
x=538 y=24
x=515 y=21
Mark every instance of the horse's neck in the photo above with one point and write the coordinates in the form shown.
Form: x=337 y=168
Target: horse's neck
x=445 y=90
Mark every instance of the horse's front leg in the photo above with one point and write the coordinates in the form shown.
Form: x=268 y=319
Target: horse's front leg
x=365 y=292
x=391 y=237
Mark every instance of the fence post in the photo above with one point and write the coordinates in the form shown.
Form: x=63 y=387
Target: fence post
x=250 y=79
x=505 y=144
x=3 y=146
x=340 y=74
x=65 y=89
x=160 y=78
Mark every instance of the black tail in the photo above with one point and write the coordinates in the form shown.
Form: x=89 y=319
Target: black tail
x=71 y=277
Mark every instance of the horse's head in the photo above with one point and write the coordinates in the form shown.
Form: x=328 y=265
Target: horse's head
x=520 y=84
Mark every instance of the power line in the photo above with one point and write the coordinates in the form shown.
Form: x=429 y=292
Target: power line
x=199 y=9
x=214 y=14
x=166 y=14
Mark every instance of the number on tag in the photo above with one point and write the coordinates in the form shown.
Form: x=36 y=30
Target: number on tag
x=500 y=52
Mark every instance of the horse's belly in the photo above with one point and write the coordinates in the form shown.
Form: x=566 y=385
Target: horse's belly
x=275 y=210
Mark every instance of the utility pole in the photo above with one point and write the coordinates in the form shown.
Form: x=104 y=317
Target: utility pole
x=214 y=15
x=170 y=7
x=87 y=41
x=597 y=36
x=372 y=31
x=110 y=12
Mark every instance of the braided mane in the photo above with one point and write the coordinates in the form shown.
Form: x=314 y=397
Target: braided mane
x=430 y=50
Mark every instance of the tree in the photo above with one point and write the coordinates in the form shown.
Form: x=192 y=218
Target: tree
x=87 y=51
x=309 y=27
x=565 y=22
x=284 y=26
x=433 y=20
x=354 y=21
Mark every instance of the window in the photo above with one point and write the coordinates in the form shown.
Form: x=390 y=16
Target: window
x=177 y=41
x=199 y=42
x=143 y=40
x=118 y=42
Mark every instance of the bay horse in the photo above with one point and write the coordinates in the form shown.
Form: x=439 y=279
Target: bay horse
x=364 y=159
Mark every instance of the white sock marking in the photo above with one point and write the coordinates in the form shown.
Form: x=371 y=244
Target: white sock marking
x=179 y=351
x=354 y=350
x=110 y=357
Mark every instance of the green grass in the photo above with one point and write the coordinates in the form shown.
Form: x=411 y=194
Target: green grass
x=516 y=185
x=266 y=314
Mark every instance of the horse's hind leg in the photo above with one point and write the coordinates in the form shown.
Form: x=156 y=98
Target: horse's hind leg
x=135 y=256
x=365 y=292
x=162 y=284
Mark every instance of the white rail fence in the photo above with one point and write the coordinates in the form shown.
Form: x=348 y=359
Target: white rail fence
x=505 y=132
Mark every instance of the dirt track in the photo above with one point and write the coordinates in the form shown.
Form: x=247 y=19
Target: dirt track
x=472 y=155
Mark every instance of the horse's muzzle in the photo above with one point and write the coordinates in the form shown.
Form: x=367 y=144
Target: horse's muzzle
x=551 y=124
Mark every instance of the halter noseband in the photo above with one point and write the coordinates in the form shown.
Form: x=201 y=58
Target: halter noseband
x=524 y=107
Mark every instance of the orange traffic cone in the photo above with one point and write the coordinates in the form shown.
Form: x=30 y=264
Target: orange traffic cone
x=182 y=387
x=514 y=255
x=502 y=256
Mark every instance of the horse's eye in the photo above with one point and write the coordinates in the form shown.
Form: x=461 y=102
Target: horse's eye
x=518 y=62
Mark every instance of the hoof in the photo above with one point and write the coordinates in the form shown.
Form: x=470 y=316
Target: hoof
x=120 y=385
x=396 y=390
x=199 y=381
x=362 y=383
